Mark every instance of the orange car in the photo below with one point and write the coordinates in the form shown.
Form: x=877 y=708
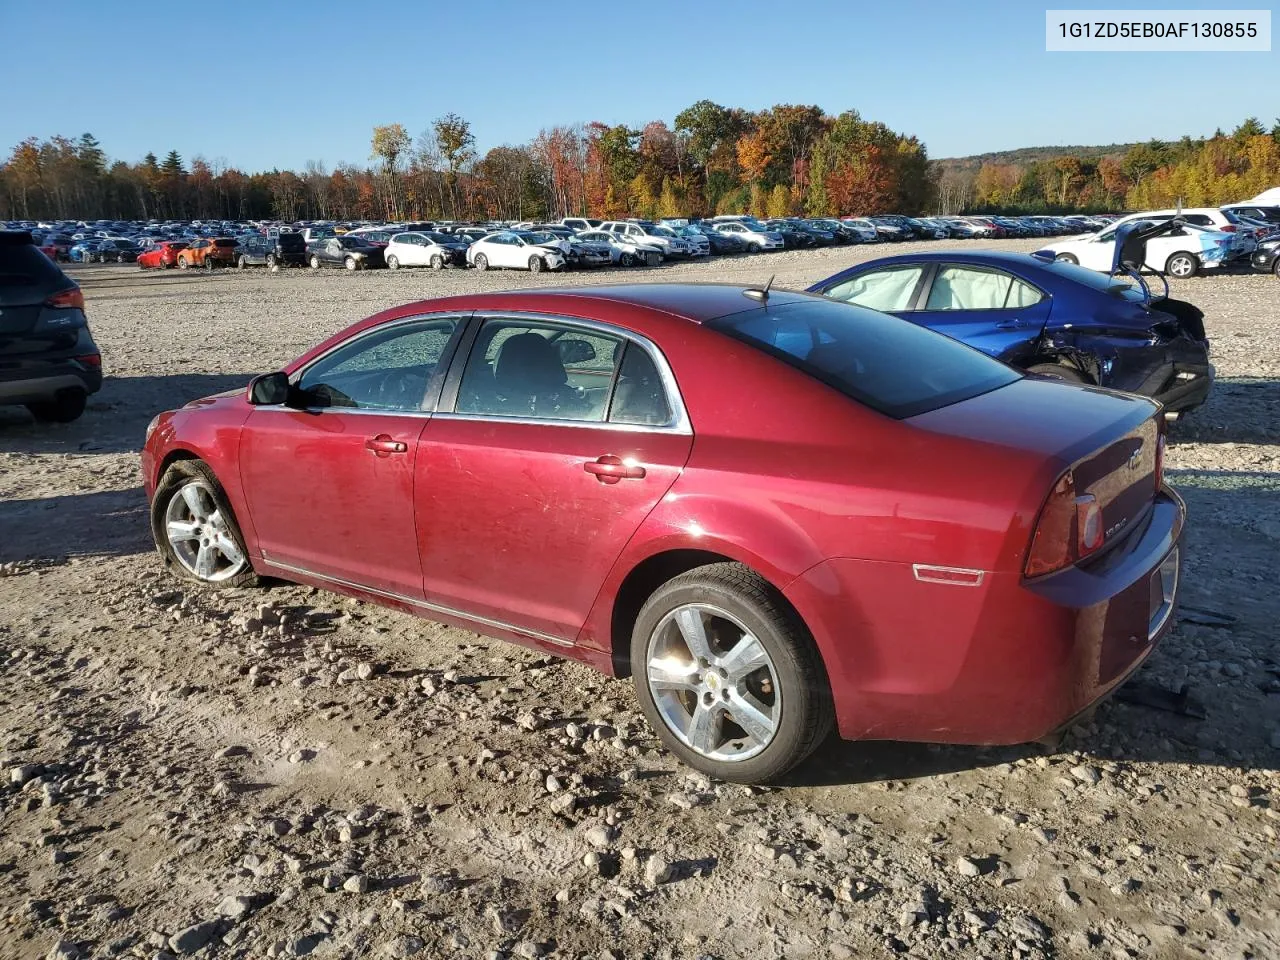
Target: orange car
x=220 y=252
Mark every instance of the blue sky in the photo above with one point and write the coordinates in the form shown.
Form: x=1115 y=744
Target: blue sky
x=269 y=84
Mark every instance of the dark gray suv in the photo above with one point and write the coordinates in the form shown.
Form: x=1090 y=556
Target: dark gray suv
x=48 y=360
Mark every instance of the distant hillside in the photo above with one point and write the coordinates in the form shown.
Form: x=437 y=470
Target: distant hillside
x=1026 y=155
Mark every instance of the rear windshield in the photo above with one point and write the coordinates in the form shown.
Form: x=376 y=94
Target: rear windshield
x=224 y=243
x=1116 y=286
x=290 y=240
x=890 y=365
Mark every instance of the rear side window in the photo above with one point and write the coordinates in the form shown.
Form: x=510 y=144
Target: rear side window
x=24 y=265
x=966 y=288
x=886 y=363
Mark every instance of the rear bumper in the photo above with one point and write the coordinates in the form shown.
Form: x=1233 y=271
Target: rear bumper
x=36 y=381
x=1005 y=661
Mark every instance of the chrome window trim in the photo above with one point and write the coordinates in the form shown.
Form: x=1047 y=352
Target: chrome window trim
x=423 y=604
x=679 y=422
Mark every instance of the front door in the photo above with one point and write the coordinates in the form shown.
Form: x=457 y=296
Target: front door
x=562 y=440
x=330 y=486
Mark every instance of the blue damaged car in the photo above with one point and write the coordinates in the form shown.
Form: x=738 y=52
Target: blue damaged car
x=1045 y=317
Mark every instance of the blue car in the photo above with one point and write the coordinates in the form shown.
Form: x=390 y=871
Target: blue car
x=1044 y=317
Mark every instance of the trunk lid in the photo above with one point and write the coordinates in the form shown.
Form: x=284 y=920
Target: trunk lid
x=1108 y=440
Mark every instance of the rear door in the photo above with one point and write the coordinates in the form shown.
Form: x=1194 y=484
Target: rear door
x=560 y=437
x=991 y=309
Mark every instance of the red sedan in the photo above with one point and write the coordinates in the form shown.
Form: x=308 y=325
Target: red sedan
x=775 y=511
x=162 y=255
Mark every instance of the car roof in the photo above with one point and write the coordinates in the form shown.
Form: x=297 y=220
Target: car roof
x=698 y=302
x=988 y=258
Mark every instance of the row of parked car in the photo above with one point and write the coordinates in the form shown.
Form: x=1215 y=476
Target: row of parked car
x=1210 y=238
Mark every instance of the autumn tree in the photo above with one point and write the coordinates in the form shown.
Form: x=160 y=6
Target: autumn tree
x=457 y=146
x=389 y=144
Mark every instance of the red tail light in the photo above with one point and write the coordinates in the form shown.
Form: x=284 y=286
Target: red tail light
x=91 y=359
x=1068 y=529
x=72 y=298
x=1228 y=228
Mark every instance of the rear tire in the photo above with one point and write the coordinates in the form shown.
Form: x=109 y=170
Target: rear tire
x=1066 y=258
x=1060 y=371
x=1275 y=267
x=219 y=524
x=243 y=263
x=1182 y=265
x=183 y=263
x=315 y=263
x=481 y=262
x=788 y=689
x=393 y=262
x=67 y=405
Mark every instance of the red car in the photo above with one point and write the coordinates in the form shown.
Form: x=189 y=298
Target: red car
x=162 y=255
x=774 y=510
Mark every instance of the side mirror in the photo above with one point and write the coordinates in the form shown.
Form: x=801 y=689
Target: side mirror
x=270 y=389
x=575 y=351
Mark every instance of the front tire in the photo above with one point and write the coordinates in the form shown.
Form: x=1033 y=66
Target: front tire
x=728 y=675
x=195 y=530
x=1059 y=371
x=437 y=262
x=627 y=259
x=1182 y=265
x=350 y=263
x=536 y=264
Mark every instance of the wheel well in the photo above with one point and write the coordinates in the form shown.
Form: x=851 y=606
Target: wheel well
x=1086 y=363
x=172 y=457
x=639 y=585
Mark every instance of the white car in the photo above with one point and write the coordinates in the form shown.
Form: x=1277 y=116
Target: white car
x=1182 y=254
x=624 y=250
x=423 y=248
x=642 y=232
x=864 y=228
x=757 y=237
x=514 y=250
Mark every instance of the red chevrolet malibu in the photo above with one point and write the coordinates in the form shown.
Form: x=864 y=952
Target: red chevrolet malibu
x=775 y=511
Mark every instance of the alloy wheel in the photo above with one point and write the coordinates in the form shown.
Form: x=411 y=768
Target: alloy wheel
x=199 y=536
x=713 y=683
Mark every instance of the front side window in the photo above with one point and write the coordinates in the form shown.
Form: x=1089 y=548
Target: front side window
x=386 y=370
x=884 y=362
x=883 y=290
x=966 y=288
x=536 y=370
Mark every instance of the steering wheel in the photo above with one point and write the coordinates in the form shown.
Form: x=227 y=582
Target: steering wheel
x=401 y=389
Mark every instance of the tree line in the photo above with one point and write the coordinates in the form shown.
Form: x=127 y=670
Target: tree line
x=788 y=159
x=1208 y=171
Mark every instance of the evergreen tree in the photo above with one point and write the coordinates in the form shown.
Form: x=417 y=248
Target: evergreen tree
x=172 y=166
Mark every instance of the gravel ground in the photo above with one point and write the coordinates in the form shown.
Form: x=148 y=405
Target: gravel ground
x=286 y=772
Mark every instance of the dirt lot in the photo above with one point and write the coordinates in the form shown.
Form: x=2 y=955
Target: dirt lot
x=285 y=772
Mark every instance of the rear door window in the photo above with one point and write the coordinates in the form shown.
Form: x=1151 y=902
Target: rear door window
x=967 y=288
